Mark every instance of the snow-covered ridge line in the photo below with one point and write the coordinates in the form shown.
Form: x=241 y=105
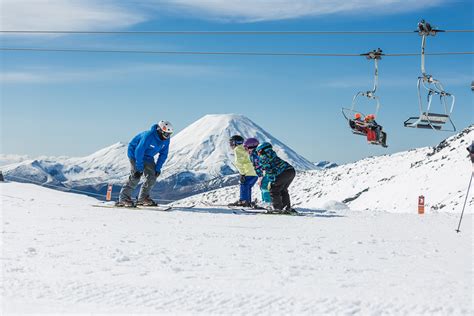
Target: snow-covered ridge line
x=385 y=183
x=200 y=160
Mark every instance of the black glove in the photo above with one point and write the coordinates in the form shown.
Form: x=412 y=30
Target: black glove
x=157 y=173
x=242 y=179
x=137 y=174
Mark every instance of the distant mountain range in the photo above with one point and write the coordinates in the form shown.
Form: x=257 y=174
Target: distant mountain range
x=200 y=159
x=325 y=164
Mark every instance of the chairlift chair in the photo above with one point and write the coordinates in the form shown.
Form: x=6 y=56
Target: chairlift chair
x=427 y=119
x=359 y=127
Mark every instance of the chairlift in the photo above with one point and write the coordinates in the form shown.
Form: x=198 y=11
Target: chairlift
x=360 y=123
x=428 y=119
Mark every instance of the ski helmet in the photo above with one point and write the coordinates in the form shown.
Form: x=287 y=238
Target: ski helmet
x=165 y=129
x=264 y=146
x=251 y=143
x=236 y=140
x=357 y=116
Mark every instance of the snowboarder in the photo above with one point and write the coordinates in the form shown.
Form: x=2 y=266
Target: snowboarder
x=280 y=174
x=248 y=176
x=470 y=149
x=141 y=151
x=250 y=145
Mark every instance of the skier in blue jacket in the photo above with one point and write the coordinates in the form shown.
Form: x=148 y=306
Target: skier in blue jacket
x=141 y=152
x=280 y=175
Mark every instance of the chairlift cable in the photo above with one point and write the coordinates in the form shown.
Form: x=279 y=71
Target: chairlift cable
x=219 y=32
x=66 y=50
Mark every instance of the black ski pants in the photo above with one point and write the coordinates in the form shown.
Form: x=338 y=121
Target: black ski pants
x=279 y=190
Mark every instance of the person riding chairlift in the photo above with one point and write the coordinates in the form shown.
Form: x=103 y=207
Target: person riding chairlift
x=368 y=126
x=358 y=125
x=374 y=131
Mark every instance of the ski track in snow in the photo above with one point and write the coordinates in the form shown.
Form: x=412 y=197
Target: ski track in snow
x=61 y=255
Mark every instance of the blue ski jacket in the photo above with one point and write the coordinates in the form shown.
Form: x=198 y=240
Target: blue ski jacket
x=145 y=146
x=270 y=162
x=256 y=163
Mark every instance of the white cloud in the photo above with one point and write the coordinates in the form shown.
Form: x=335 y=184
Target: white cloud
x=66 y=15
x=265 y=10
x=20 y=77
x=112 y=15
x=45 y=75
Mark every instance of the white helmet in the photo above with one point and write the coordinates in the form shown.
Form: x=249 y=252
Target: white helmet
x=165 y=129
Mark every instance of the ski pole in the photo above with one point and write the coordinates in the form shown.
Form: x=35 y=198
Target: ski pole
x=467 y=194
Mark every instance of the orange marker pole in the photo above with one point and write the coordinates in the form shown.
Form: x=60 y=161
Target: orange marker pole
x=108 y=196
x=421 y=204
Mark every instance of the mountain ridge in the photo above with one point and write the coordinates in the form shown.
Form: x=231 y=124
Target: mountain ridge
x=200 y=158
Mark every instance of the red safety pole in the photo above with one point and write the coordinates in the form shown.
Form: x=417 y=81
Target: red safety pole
x=421 y=205
x=108 y=196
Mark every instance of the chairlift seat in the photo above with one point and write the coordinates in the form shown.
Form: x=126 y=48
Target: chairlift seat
x=434 y=118
x=428 y=126
x=424 y=122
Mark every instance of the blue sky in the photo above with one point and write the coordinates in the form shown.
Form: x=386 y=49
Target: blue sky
x=75 y=103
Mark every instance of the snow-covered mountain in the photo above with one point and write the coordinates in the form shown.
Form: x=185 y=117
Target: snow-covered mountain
x=387 y=183
x=11 y=159
x=204 y=145
x=324 y=164
x=104 y=166
x=200 y=160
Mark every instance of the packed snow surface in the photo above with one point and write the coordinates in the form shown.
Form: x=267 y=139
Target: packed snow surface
x=61 y=255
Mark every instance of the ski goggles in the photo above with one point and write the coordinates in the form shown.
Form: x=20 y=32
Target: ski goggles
x=165 y=135
x=234 y=143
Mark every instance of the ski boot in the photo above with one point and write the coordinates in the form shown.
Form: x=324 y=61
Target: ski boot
x=146 y=202
x=125 y=203
x=271 y=210
x=240 y=203
x=259 y=206
x=289 y=211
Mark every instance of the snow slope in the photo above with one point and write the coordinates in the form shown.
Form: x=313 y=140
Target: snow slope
x=60 y=255
x=199 y=155
x=389 y=183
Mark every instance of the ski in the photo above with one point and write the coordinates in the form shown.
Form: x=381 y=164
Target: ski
x=262 y=211
x=158 y=208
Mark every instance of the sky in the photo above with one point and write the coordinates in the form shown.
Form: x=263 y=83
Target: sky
x=73 y=104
